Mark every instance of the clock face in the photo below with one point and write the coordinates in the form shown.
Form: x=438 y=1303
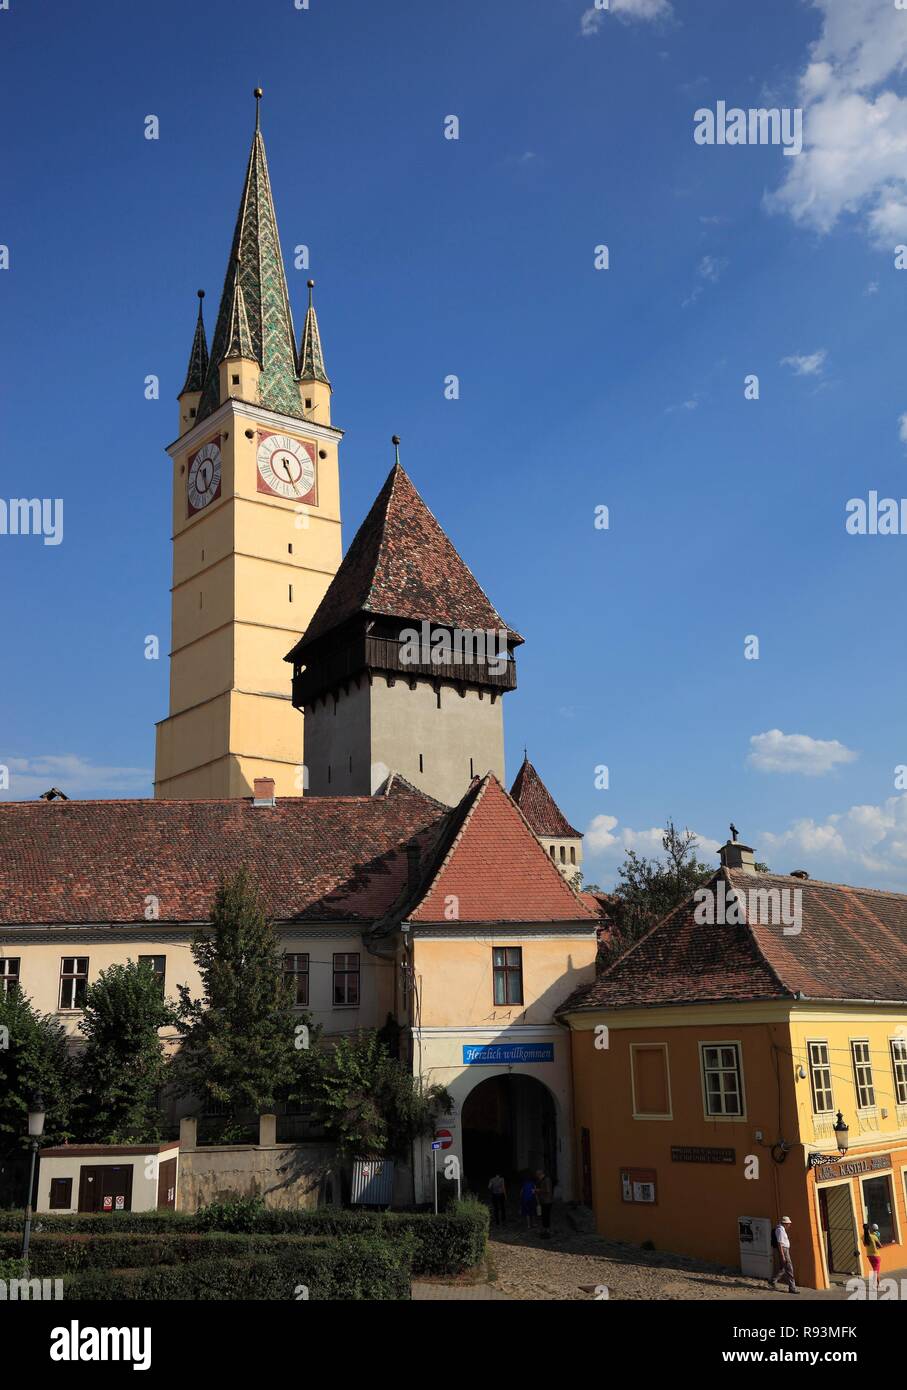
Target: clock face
x=203 y=483
x=286 y=467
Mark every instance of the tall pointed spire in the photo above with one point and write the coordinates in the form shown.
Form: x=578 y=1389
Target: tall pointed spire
x=255 y=274
x=198 y=357
x=311 y=357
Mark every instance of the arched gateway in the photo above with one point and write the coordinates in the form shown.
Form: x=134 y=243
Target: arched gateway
x=509 y=1125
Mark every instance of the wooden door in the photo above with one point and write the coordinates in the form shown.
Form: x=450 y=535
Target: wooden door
x=105 y=1187
x=166 y=1184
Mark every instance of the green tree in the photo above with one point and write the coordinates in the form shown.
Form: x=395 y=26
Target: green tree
x=34 y=1060
x=648 y=889
x=123 y=1067
x=368 y=1102
x=245 y=1044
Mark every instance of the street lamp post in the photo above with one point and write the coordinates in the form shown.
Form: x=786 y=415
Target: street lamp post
x=841 y=1133
x=35 y=1130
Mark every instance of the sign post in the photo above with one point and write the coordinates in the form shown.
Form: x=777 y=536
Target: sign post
x=436 y=1144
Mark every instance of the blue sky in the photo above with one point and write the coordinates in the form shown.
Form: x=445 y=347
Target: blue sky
x=578 y=387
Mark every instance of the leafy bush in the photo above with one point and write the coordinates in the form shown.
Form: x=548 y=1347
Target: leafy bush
x=241 y=1214
x=11 y=1268
x=354 y=1269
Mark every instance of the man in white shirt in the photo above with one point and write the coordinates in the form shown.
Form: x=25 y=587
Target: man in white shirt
x=781 y=1242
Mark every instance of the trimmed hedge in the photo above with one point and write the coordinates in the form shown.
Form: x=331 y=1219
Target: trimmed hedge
x=59 y=1253
x=355 y=1269
x=445 y=1244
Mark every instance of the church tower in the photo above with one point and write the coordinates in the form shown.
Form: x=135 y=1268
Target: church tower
x=256 y=522
x=405 y=663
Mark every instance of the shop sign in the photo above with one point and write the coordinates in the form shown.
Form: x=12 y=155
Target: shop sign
x=851 y=1168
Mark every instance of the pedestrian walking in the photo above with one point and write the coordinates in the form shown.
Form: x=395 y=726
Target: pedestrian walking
x=528 y=1202
x=545 y=1196
x=874 y=1252
x=781 y=1243
x=498 y=1189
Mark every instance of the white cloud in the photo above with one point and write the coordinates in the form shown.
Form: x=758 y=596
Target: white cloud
x=29 y=777
x=902 y=428
x=629 y=11
x=603 y=838
x=711 y=267
x=809 y=365
x=777 y=752
x=867 y=843
x=709 y=270
x=872 y=287
x=854 y=158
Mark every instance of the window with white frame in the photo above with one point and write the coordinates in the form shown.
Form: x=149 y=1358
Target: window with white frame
x=820 y=1078
x=73 y=982
x=899 y=1068
x=862 y=1073
x=722 y=1078
x=9 y=975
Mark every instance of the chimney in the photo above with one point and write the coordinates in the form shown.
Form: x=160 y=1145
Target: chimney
x=263 y=792
x=735 y=855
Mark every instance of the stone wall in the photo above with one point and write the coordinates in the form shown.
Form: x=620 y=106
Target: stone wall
x=285 y=1175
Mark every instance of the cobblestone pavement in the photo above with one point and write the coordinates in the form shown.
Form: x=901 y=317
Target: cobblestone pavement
x=577 y=1266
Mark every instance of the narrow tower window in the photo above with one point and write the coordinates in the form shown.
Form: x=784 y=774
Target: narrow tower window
x=471 y=772
x=290 y=587
x=290 y=548
x=421 y=766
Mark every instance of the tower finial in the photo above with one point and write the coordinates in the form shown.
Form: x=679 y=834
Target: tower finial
x=258 y=94
x=395 y=440
x=311 y=285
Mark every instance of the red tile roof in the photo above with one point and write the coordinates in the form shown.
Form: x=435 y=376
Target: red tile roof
x=489 y=861
x=539 y=806
x=852 y=944
x=316 y=858
x=402 y=565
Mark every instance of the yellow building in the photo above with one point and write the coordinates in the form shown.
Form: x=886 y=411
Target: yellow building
x=721 y=1064
x=256 y=523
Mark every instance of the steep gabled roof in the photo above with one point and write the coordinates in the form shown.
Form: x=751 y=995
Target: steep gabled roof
x=539 y=806
x=255 y=268
x=402 y=565
x=852 y=944
x=486 y=859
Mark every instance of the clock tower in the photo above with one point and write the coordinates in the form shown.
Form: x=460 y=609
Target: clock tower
x=256 y=522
